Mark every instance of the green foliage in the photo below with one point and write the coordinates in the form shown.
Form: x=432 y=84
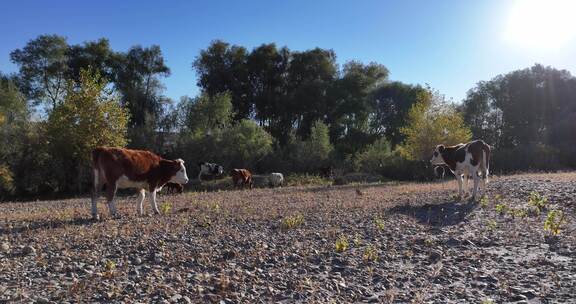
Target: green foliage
x=431 y=121
x=165 y=207
x=291 y=222
x=6 y=181
x=501 y=209
x=537 y=201
x=341 y=243
x=88 y=117
x=379 y=224
x=43 y=67
x=554 y=221
x=306 y=180
x=314 y=152
x=374 y=157
x=245 y=143
x=492 y=225
x=206 y=114
x=484 y=202
x=370 y=254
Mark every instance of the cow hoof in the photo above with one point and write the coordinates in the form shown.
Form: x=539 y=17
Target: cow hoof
x=96 y=217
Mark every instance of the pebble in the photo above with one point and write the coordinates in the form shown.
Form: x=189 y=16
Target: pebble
x=28 y=250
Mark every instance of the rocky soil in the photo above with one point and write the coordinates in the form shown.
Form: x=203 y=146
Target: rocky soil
x=375 y=243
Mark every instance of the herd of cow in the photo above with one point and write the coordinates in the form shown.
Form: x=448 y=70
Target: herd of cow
x=118 y=168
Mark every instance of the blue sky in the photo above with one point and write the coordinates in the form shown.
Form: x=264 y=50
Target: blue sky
x=450 y=45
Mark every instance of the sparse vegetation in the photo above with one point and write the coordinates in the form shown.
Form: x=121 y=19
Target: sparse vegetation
x=341 y=243
x=554 y=221
x=291 y=222
x=370 y=254
x=537 y=201
x=379 y=223
x=165 y=207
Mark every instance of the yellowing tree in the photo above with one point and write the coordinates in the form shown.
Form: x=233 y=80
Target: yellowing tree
x=431 y=123
x=89 y=116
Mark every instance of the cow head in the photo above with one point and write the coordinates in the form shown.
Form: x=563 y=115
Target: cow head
x=180 y=176
x=219 y=170
x=437 y=158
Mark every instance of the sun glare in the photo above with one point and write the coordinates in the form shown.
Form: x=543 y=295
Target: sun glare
x=541 y=24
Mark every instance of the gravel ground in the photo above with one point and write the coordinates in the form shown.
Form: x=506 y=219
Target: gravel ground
x=375 y=243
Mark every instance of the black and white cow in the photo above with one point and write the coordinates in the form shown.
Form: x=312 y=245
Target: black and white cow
x=465 y=160
x=209 y=169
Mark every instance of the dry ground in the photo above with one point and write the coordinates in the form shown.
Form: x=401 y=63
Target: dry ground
x=391 y=242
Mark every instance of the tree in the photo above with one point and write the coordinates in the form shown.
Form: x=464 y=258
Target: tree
x=96 y=55
x=89 y=116
x=314 y=152
x=375 y=156
x=206 y=114
x=392 y=101
x=245 y=143
x=222 y=68
x=137 y=79
x=43 y=68
x=431 y=123
x=530 y=106
x=13 y=123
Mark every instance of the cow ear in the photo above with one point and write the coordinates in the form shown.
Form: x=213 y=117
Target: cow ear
x=180 y=161
x=441 y=148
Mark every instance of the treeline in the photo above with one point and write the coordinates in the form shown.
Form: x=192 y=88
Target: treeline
x=267 y=109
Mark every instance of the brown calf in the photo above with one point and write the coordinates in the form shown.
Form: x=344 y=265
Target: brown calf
x=241 y=178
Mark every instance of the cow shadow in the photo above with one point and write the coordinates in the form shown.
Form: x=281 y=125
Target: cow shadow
x=438 y=215
x=50 y=224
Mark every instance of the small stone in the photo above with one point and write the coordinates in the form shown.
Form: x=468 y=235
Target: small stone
x=41 y=300
x=29 y=250
x=175 y=298
x=5 y=247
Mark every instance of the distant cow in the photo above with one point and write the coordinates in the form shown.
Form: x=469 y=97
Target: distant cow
x=465 y=160
x=241 y=178
x=209 y=169
x=173 y=188
x=276 y=179
x=124 y=168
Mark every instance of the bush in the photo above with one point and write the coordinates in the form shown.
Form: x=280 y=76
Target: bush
x=534 y=157
x=375 y=156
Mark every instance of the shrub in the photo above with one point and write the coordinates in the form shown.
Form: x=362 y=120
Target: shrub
x=291 y=222
x=341 y=243
x=554 y=222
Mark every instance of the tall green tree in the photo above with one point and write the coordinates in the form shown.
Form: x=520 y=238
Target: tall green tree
x=42 y=68
x=391 y=103
x=222 y=68
x=138 y=75
x=206 y=114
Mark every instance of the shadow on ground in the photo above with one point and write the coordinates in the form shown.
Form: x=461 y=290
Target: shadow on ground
x=438 y=215
x=51 y=224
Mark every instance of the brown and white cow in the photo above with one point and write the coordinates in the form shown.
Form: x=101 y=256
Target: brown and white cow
x=241 y=178
x=465 y=160
x=124 y=168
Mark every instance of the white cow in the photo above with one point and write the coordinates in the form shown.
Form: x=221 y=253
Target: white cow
x=276 y=179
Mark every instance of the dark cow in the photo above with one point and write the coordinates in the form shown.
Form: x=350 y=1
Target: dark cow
x=241 y=178
x=465 y=160
x=173 y=188
x=209 y=169
x=124 y=168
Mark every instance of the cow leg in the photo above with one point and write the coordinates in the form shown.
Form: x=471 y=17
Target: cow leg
x=476 y=182
x=153 y=201
x=141 y=197
x=466 y=185
x=95 y=195
x=460 y=179
x=200 y=176
x=110 y=195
